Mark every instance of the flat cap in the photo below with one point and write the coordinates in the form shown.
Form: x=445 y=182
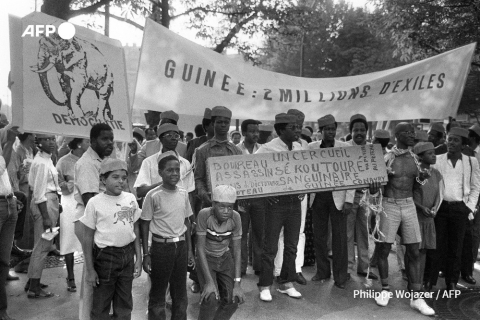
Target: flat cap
x=358 y=116
x=459 y=132
x=224 y=193
x=169 y=115
x=265 y=127
x=421 y=136
x=437 y=126
x=167 y=127
x=297 y=113
x=475 y=128
x=381 y=134
x=140 y=132
x=221 y=111
x=326 y=120
x=111 y=164
x=166 y=154
x=285 y=118
x=207 y=114
x=422 y=147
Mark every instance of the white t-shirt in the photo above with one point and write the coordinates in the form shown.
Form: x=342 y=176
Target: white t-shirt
x=112 y=218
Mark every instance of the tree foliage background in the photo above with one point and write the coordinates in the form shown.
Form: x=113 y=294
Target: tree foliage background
x=313 y=38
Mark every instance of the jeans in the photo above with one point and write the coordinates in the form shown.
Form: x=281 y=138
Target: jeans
x=114 y=267
x=42 y=247
x=255 y=214
x=357 y=226
x=169 y=266
x=285 y=213
x=324 y=209
x=222 y=271
x=450 y=225
x=8 y=220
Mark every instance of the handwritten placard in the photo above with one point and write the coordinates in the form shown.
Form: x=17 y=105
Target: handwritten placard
x=295 y=172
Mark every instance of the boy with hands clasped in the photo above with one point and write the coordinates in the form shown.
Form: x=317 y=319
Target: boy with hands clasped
x=218 y=272
x=112 y=240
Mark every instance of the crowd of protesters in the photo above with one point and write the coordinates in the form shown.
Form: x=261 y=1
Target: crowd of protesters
x=148 y=206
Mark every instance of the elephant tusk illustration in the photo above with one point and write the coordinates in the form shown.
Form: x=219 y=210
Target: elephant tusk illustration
x=50 y=66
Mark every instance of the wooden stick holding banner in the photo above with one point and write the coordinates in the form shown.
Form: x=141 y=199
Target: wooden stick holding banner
x=296 y=172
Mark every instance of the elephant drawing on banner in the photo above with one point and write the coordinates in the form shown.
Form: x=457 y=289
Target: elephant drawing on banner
x=79 y=65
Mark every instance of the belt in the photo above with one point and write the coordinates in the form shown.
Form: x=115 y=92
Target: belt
x=161 y=239
x=398 y=201
x=451 y=203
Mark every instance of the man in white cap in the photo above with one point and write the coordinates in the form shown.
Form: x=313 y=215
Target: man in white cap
x=328 y=206
x=216 y=147
x=218 y=271
x=399 y=212
x=356 y=214
x=281 y=212
x=154 y=146
x=460 y=199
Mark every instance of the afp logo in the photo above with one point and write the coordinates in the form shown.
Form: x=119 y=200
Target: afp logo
x=66 y=30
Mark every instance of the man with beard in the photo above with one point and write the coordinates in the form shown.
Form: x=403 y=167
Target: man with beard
x=356 y=215
x=87 y=185
x=399 y=211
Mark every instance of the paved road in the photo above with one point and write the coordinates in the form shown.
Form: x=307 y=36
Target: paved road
x=320 y=301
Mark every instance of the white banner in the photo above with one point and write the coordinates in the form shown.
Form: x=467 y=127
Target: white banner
x=175 y=73
x=64 y=86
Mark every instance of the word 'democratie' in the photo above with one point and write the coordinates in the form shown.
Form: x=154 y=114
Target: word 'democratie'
x=295 y=172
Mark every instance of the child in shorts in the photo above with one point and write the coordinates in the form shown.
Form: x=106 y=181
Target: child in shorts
x=112 y=240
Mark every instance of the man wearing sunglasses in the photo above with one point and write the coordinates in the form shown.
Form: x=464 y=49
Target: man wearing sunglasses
x=148 y=177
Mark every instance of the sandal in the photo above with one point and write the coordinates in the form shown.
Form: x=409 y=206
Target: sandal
x=27 y=287
x=71 y=287
x=39 y=294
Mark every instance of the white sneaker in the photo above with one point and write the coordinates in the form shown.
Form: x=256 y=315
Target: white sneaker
x=265 y=294
x=383 y=298
x=289 y=289
x=422 y=306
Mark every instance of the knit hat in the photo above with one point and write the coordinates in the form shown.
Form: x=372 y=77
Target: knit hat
x=326 y=120
x=381 y=134
x=169 y=115
x=357 y=117
x=220 y=111
x=207 y=114
x=459 y=132
x=299 y=114
x=285 y=118
x=438 y=127
x=111 y=164
x=166 y=154
x=167 y=127
x=224 y=193
x=421 y=135
x=422 y=147
x=475 y=128
x=140 y=132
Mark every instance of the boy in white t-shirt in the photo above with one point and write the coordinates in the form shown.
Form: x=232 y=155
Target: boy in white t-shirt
x=112 y=239
x=166 y=213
